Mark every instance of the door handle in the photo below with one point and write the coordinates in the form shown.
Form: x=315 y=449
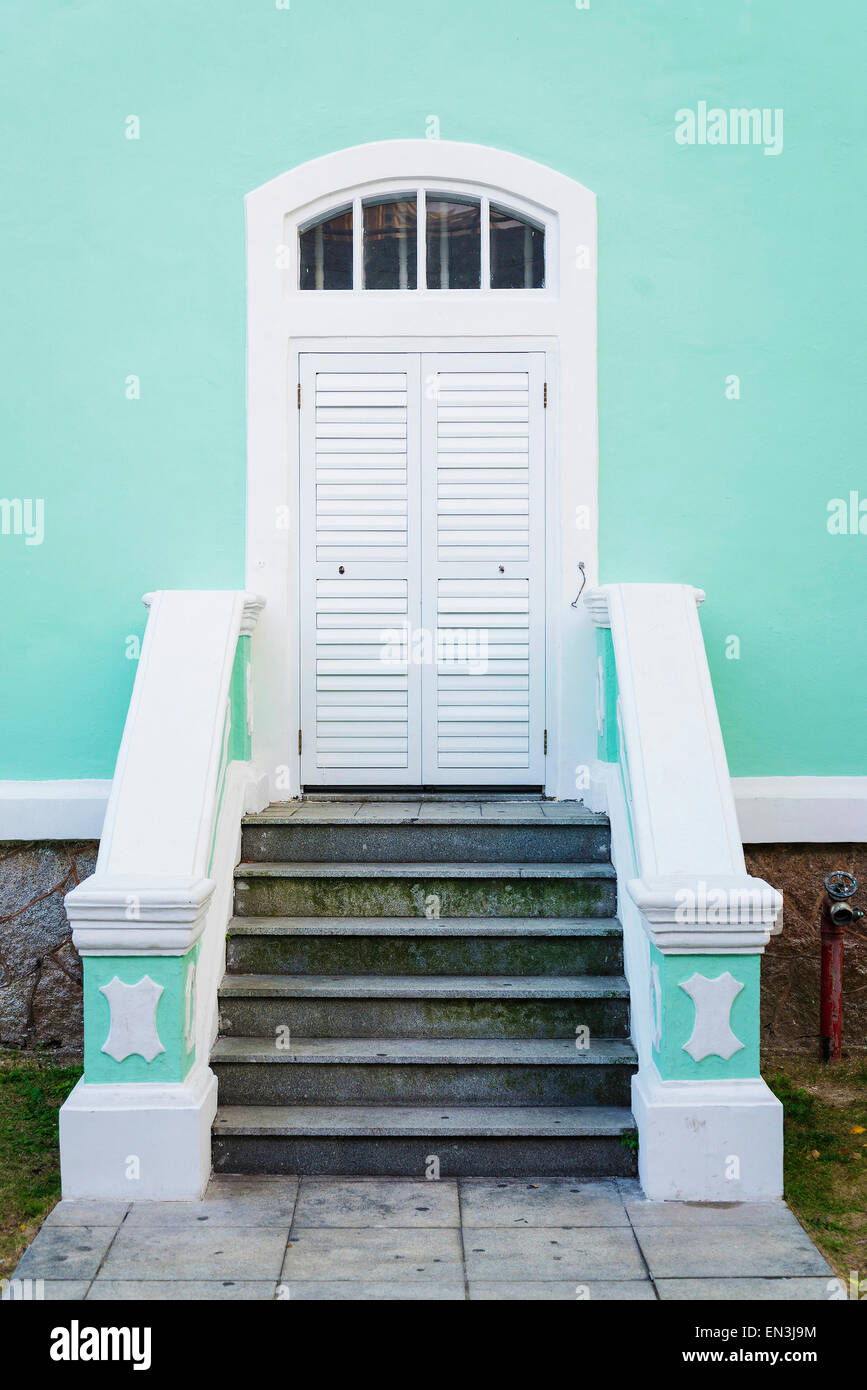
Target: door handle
x=583 y=574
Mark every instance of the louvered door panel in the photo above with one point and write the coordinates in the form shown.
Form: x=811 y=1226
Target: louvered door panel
x=358 y=433
x=483 y=579
x=361 y=714
x=362 y=684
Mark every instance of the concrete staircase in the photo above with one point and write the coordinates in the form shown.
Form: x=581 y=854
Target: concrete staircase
x=405 y=981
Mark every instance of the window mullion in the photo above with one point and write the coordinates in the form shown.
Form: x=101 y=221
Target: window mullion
x=485 y=229
x=357 y=245
x=421 y=239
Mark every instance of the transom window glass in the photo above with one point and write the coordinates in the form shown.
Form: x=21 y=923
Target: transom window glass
x=390 y=244
x=517 y=252
x=456 y=242
x=326 y=253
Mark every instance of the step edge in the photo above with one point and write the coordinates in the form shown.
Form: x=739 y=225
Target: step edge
x=471 y=868
x=233 y=987
x=608 y=1052
x=421 y=927
x=266 y=1123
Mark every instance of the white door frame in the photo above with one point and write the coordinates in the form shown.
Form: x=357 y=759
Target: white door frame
x=282 y=319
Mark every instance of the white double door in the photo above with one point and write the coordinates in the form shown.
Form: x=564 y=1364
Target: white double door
x=422 y=518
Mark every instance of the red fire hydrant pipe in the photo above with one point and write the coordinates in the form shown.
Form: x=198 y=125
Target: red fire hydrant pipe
x=832 y=984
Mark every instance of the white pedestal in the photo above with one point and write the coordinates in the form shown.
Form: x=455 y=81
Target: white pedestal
x=708 y=1141
x=138 y=1142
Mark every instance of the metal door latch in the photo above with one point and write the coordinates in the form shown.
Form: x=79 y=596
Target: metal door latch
x=583 y=582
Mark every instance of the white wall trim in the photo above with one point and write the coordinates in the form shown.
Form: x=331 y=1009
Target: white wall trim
x=280 y=317
x=66 y=809
x=807 y=810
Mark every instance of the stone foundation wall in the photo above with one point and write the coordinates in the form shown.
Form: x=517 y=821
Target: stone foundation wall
x=790 y=970
x=40 y=970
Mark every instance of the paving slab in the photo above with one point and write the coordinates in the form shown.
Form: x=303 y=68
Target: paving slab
x=376 y=1202
x=750 y=1290
x=571 y=811
x=267 y=1186
x=352 y=1291
x=711 y=1215
x=519 y=1202
x=86 y=1213
x=629 y=1189
x=733 y=1252
x=562 y=1291
x=555 y=1253
x=386 y=810
x=374 y=1255
x=205 y=1252
x=66 y=1252
x=512 y=811
x=372 y=1238
x=446 y=812
x=324 y=810
x=180 y=1290
x=227 y=1202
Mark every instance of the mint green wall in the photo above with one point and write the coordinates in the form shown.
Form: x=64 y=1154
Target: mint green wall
x=122 y=257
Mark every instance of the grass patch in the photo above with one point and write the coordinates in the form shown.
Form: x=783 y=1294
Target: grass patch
x=825 y=1162
x=32 y=1089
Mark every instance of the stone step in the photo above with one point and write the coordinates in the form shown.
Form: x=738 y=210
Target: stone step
x=436 y=837
x=410 y=946
x=407 y=1006
x=310 y=888
x=409 y=1141
x=422 y=1071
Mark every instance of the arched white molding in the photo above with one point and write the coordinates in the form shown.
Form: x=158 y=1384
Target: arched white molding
x=281 y=320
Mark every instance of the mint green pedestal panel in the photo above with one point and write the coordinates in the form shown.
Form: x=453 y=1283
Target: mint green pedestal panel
x=174 y=1022
x=676 y=1015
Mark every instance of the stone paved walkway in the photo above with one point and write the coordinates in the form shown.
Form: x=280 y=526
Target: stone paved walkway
x=399 y=1238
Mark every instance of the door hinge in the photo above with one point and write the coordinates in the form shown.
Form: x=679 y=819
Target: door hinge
x=299 y=741
x=545 y=743
x=299 y=395
x=544 y=396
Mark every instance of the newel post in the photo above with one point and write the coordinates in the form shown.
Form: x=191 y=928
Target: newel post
x=695 y=923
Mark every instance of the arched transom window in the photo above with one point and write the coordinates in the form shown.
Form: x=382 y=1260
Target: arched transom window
x=422 y=240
